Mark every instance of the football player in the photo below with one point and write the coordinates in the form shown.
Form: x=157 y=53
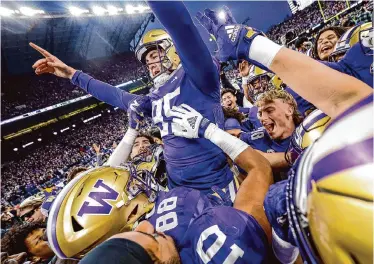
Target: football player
x=314 y=190
x=277 y=111
x=353 y=53
x=250 y=120
x=182 y=219
x=182 y=71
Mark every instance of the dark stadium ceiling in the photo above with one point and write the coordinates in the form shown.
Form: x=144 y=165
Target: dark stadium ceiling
x=72 y=39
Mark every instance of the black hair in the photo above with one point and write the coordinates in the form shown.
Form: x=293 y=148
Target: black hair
x=14 y=240
x=300 y=42
x=339 y=31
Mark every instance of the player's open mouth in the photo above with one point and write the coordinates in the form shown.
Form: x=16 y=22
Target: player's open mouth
x=229 y=104
x=269 y=127
x=156 y=72
x=325 y=49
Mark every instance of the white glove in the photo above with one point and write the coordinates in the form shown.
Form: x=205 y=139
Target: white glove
x=189 y=122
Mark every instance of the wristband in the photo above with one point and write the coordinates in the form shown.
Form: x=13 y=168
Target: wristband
x=263 y=50
x=231 y=145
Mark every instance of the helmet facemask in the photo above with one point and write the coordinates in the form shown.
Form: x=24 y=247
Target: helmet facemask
x=162 y=48
x=264 y=86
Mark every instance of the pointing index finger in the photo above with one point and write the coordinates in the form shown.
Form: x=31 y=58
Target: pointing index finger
x=40 y=50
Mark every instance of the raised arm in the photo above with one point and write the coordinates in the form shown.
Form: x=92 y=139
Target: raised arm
x=329 y=90
x=195 y=56
x=100 y=90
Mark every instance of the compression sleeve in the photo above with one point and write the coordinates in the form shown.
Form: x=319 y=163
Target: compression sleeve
x=123 y=150
x=194 y=54
x=102 y=91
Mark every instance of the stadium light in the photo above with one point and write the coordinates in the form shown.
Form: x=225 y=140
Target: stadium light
x=39 y=139
x=55 y=133
x=130 y=9
x=98 y=10
x=222 y=15
x=66 y=128
x=76 y=11
x=6 y=12
x=73 y=125
x=112 y=10
x=108 y=111
x=28 y=144
x=27 y=11
x=15 y=149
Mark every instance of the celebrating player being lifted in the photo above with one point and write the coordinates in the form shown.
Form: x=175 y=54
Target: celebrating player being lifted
x=182 y=71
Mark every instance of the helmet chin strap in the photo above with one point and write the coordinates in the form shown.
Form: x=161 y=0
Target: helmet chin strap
x=161 y=79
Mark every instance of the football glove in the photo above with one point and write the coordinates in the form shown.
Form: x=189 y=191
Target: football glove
x=190 y=123
x=233 y=39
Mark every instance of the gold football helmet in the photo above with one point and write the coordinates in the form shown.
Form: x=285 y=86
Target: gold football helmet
x=160 y=40
x=264 y=80
x=330 y=192
x=356 y=34
x=95 y=205
x=306 y=133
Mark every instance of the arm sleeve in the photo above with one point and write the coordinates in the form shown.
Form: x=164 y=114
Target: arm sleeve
x=123 y=150
x=103 y=91
x=194 y=54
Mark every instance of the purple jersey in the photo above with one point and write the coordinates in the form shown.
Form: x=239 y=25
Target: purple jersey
x=355 y=63
x=196 y=163
x=174 y=211
x=224 y=235
x=260 y=140
x=250 y=121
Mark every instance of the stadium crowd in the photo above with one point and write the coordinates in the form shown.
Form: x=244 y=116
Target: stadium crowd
x=43 y=167
x=23 y=95
x=260 y=111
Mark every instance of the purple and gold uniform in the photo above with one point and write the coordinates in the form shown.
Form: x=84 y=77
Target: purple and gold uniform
x=196 y=163
x=260 y=140
x=174 y=211
x=225 y=235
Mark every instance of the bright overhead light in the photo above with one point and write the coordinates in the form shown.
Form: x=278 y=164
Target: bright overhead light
x=39 y=139
x=112 y=10
x=27 y=11
x=130 y=9
x=76 y=11
x=6 y=12
x=98 y=10
x=222 y=15
x=28 y=144
x=15 y=149
x=55 y=133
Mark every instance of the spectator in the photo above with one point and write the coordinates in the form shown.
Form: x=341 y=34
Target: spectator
x=325 y=42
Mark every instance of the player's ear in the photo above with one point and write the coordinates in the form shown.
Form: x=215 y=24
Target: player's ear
x=289 y=110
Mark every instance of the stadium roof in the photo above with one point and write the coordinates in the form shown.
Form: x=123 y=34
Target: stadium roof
x=71 y=38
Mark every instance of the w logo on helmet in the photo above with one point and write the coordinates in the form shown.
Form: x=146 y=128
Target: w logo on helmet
x=100 y=198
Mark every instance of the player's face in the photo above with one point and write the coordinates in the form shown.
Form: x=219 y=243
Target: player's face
x=276 y=118
x=141 y=145
x=33 y=215
x=153 y=60
x=259 y=85
x=326 y=44
x=229 y=100
x=161 y=246
x=37 y=245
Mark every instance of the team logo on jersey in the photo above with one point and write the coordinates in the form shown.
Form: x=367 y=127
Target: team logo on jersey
x=97 y=204
x=232 y=32
x=192 y=121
